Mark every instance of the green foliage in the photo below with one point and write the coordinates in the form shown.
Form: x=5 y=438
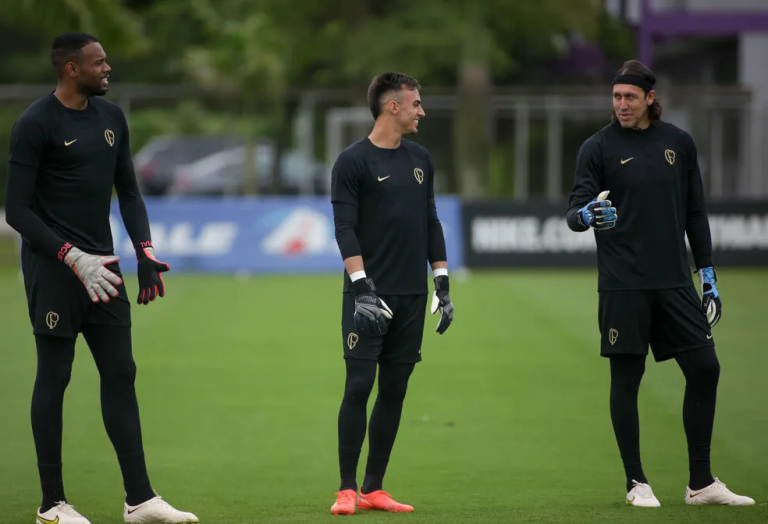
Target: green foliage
x=190 y=117
x=116 y=27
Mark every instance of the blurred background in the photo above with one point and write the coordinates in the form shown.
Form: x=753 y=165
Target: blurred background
x=237 y=111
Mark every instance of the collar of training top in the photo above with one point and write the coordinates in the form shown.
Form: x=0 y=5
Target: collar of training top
x=635 y=80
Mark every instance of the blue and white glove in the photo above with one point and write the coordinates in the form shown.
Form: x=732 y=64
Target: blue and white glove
x=598 y=214
x=711 y=304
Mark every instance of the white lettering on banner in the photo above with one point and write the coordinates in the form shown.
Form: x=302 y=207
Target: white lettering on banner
x=737 y=232
x=213 y=238
x=528 y=234
x=734 y=232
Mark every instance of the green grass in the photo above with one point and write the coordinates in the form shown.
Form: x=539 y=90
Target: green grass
x=506 y=420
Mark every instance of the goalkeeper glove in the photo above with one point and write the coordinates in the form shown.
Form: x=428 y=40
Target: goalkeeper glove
x=711 y=304
x=441 y=301
x=598 y=214
x=151 y=283
x=371 y=313
x=99 y=281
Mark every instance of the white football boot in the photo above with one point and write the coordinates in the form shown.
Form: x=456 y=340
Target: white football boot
x=716 y=493
x=641 y=495
x=156 y=510
x=61 y=513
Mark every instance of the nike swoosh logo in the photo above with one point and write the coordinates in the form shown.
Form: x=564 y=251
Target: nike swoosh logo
x=383 y=178
x=70 y=142
x=44 y=521
x=135 y=509
x=627 y=160
x=709 y=336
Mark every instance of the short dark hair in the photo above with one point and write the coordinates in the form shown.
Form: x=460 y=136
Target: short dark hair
x=67 y=48
x=385 y=83
x=636 y=67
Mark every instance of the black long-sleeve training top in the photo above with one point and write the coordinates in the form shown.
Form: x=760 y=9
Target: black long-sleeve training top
x=384 y=210
x=62 y=167
x=655 y=185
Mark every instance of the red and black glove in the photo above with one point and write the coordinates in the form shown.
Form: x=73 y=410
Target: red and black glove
x=151 y=283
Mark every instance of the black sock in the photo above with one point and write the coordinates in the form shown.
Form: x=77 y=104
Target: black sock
x=135 y=479
x=385 y=422
x=52 y=485
x=372 y=483
x=702 y=373
x=361 y=375
x=112 y=352
x=348 y=459
x=54 y=368
x=626 y=374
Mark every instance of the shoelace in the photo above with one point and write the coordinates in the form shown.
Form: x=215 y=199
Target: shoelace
x=719 y=485
x=643 y=490
x=346 y=496
x=160 y=502
x=67 y=509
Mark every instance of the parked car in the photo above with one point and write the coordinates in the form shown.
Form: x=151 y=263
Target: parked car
x=225 y=172
x=155 y=163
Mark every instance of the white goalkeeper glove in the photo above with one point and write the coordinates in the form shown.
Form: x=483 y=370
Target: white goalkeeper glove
x=97 y=279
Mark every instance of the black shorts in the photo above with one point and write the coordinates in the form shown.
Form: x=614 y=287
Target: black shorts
x=58 y=303
x=670 y=320
x=401 y=344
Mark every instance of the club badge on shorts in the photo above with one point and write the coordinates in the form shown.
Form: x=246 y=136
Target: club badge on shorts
x=51 y=319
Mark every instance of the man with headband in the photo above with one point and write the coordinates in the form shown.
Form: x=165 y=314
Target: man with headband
x=646 y=293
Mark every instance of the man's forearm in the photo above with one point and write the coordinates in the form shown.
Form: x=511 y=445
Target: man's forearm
x=136 y=220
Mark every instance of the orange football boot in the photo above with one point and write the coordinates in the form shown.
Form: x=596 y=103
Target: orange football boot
x=345 y=502
x=382 y=501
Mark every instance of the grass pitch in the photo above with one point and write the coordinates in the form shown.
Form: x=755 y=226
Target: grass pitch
x=506 y=420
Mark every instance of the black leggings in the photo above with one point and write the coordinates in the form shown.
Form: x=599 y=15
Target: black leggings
x=384 y=422
x=112 y=353
x=701 y=369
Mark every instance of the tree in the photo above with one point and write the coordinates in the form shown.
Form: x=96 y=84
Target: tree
x=115 y=25
x=266 y=48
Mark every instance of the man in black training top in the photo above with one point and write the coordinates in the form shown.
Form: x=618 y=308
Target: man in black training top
x=67 y=151
x=387 y=230
x=646 y=294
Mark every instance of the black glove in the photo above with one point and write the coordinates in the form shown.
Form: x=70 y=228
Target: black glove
x=151 y=283
x=441 y=301
x=371 y=313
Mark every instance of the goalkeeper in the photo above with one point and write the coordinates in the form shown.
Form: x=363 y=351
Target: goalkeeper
x=68 y=151
x=646 y=293
x=387 y=230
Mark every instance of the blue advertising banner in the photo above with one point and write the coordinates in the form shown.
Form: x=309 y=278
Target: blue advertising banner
x=260 y=235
